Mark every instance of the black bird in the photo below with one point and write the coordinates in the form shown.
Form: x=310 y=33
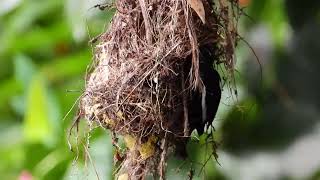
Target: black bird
x=201 y=111
x=203 y=106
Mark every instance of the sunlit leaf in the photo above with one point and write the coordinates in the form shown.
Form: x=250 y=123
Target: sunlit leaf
x=37 y=128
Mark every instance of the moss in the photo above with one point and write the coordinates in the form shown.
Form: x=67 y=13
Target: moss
x=148 y=149
x=130 y=142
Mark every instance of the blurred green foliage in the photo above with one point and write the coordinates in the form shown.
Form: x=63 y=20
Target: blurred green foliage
x=40 y=59
x=44 y=55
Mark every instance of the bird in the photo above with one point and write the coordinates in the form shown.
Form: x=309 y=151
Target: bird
x=203 y=105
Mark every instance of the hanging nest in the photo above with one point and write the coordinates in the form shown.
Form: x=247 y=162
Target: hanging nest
x=145 y=67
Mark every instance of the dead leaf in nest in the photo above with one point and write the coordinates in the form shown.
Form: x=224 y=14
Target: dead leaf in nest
x=147 y=149
x=123 y=177
x=198 y=7
x=130 y=142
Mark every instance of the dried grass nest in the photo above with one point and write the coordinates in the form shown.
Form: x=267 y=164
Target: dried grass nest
x=136 y=85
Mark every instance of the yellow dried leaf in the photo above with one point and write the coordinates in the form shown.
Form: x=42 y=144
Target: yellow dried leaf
x=147 y=149
x=120 y=115
x=153 y=139
x=130 y=142
x=109 y=122
x=123 y=177
x=198 y=7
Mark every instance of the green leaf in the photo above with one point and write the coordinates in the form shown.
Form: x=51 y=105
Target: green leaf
x=50 y=162
x=272 y=13
x=37 y=127
x=18 y=104
x=23 y=19
x=54 y=113
x=63 y=68
x=102 y=157
x=42 y=39
x=203 y=138
x=8 y=88
x=24 y=70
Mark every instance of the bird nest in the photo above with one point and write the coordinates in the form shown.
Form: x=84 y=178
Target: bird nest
x=145 y=67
